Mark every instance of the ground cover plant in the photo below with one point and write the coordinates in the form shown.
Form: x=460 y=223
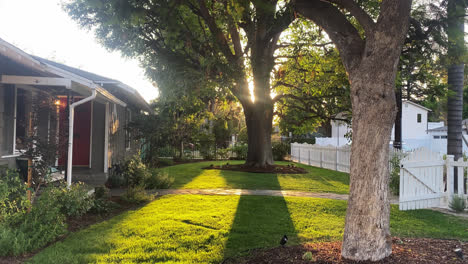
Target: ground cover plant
x=193 y=176
x=26 y=227
x=209 y=229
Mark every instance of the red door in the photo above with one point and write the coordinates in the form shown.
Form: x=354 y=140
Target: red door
x=81 y=133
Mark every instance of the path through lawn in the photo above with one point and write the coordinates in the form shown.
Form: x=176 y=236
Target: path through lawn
x=207 y=229
x=192 y=176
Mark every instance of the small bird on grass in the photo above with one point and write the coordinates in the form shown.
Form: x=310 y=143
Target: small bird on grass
x=459 y=253
x=284 y=240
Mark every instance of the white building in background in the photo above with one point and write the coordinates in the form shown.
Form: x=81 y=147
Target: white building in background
x=414 y=126
x=416 y=131
x=414 y=123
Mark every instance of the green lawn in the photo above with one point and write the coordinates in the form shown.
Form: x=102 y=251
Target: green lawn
x=207 y=229
x=192 y=176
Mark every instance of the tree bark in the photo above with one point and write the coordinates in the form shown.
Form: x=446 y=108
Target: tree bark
x=371 y=64
x=259 y=113
x=259 y=120
x=455 y=33
x=367 y=229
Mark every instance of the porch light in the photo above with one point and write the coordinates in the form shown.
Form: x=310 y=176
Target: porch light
x=57 y=102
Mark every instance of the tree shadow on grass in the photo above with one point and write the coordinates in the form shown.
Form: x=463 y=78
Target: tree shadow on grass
x=259 y=222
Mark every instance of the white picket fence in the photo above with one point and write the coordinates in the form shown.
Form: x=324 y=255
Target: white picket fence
x=427 y=180
x=328 y=157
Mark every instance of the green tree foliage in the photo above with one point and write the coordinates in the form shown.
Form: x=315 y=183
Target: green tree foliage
x=311 y=84
x=421 y=69
x=217 y=42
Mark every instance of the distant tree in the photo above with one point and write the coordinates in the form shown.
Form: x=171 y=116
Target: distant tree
x=456 y=57
x=226 y=42
x=421 y=71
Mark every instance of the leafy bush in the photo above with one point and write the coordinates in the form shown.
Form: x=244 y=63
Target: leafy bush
x=207 y=152
x=158 y=180
x=42 y=225
x=13 y=199
x=395 y=175
x=165 y=162
x=224 y=153
x=303 y=139
x=458 y=203
x=72 y=201
x=241 y=151
x=135 y=171
x=206 y=145
x=280 y=150
x=129 y=173
x=166 y=151
x=101 y=192
x=137 y=195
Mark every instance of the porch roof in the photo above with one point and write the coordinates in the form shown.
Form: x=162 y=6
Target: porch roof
x=83 y=82
x=112 y=86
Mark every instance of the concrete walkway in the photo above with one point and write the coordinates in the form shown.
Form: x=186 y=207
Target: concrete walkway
x=283 y=193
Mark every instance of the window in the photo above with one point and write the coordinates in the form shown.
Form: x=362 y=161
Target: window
x=419 y=118
x=436 y=137
x=128 y=119
x=443 y=137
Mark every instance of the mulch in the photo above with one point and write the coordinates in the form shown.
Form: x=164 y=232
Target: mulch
x=405 y=250
x=281 y=169
x=75 y=224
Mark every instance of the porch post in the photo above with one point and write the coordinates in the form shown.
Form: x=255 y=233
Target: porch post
x=106 y=139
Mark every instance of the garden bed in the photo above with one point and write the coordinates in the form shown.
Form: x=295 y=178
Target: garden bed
x=280 y=169
x=75 y=224
x=405 y=250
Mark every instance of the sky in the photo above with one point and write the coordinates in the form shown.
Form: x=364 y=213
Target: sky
x=42 y=28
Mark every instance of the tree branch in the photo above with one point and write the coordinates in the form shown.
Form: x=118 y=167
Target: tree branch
x=220 y=38
x=339 y=29
x=356 y=11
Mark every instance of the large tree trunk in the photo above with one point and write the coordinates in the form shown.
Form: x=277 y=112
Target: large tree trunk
x=367 y=229
x=372 y=65
x=258 y=118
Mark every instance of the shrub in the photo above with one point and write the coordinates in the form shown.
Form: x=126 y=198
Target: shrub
x=72 y=201
x=458 y=203
x=241 y=151
x=42 y=225
x=395 y=175
x=100 y=201
x=135 y=171
x=116 y=181
x=101 y=192
x=224 y=153
x=158 y=180
x=129 y=173
x=165 y=162
x=137 y=195
x=280 y=150
x=207 y=152
x=13 y=199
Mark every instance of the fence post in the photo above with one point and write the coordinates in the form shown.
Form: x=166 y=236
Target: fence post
x=449 y=165
x=309 y=157
x=460 y=180
x=299 y=157
x=336 y=159
x=321 y=157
